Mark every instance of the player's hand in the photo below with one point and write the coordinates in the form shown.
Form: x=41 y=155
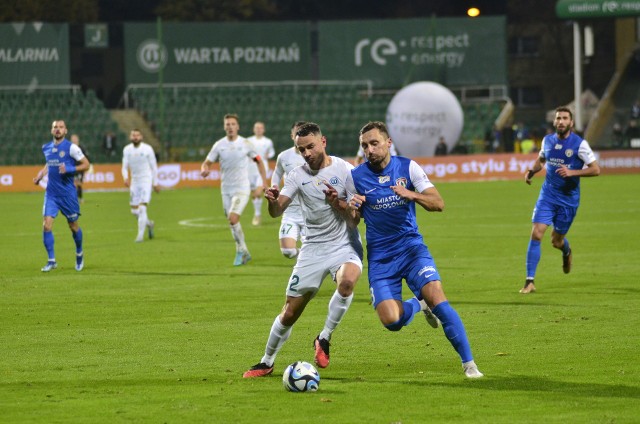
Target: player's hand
x=37 y=179
x=272 y=193
x=62 y=169
x=528 y=176
x=402 y=191
x=563 y=171
x=330 y=194
x=156 y=188
x=357 y=201
x=127 y=183
x=204 y=173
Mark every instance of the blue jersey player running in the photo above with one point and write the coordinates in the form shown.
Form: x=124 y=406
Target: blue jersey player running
x=388 y=189
x=61 y=156
x=565 y=155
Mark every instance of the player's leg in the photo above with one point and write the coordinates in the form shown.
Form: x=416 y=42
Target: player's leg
x=542 y=217
x=257 y=193
x=451 y=324
x=288 y=235
x=561 y=224
x=385 y=285
x=257 y=198
x=48 y=241
x=235 y=205
x=70 y=208
x=304 y=283
x=346 y=278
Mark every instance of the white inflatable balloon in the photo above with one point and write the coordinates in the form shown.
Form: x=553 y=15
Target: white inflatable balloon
x=419 y=114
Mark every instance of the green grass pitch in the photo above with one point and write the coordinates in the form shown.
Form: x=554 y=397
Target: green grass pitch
x=161 y=331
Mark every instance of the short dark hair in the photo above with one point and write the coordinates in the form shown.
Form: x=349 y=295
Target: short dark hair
x=298 y=124
x=565 y=109
x=377 y=125
x=308 y=128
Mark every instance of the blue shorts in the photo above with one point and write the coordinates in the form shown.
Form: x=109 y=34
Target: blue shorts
x=561 y=217
x=68 y=205
x=415 y=265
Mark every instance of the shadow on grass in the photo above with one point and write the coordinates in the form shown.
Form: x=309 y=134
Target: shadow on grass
x=518 y=383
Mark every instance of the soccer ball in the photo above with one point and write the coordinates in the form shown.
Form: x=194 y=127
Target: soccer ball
x=301 y=377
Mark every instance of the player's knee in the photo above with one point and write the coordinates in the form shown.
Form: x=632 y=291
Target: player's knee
x=289 y=253
x=395 y=326
x=557 y=243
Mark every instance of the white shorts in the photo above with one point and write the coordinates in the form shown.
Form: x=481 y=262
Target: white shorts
x=292 y=227
x=139 y=194
x=255 y=180
x=315 y=263
x=234 y=203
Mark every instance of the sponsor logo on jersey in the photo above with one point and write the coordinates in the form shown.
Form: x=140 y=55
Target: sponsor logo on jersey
x=568 y=153
x=558 y=146
x=306 y=182
x=54 y=150
x=401 y=182
x=384 y=179
x=370 y=190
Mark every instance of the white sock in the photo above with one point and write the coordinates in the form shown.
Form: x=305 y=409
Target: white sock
x=338 y=306
x=257 y=206
x=238 y=236
x=278 y=335
x=142 y=220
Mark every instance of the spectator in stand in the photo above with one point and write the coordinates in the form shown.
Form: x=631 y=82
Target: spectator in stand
x=109 y=143
x=441 y=148
x=618 y=136
x=635 y=110
x=632 y=133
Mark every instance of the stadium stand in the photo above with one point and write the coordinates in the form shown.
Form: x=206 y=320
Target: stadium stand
x=27 y=117
x=193 y=114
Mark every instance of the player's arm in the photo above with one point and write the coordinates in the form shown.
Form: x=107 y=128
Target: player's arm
x=352 y=216
x=277 y=203
x=278 y=173
x=425 y=194
x=262 y=171
x=205 y=168
x=537 y=167
x=428 y=198
x=592 y=170
x=44 y=171
x=153 y=165
x=81 y=165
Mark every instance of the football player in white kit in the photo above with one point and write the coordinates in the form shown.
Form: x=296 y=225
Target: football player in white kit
x=234 y=154
x=264 y=146
x=139 y=160
x=292 y=223
x=332 y=244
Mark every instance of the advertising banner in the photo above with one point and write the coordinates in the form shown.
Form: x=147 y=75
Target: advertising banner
x=217 y=52
x=34 y=53
x=392 y=53
x=503 y=166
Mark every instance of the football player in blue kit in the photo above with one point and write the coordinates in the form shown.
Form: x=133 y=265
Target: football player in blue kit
x=565 y=155
x=388 y=188
x=63 y=160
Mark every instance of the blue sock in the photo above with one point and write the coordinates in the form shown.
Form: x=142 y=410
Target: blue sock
x=454 y=330
x=47 y=238
x=566 y=248
x=533 y=257
x=410 y=308
x=77 y=237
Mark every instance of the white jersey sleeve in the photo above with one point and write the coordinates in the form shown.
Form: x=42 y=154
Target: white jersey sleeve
x=125 y=163
x=76 y=152
x=585 y=153
x=214 y=154
x=419 y=178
